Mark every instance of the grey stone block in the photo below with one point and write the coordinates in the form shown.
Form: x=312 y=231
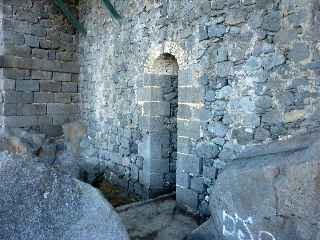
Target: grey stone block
x=60 y=108
x=75 y=98
x=203 y=32
x=44 y=97
x=14 y=50
x=185 y=145
x=38 y=30
x=156 y=109
x=183 y=179
x=17 y=97
x=64 y=56
x=62 y=77
x=47 y=44
x=189 y=95
x=41 y=75
x=39 y=53
x=19 y=121
x=31 y=109
x=50 y=86
x=7 y=84
x=189 y=163
x=16 y=74
x=32 y=41
x=27 y=86
x=62 y=97
x=271 y=21
x=216 y=30
x=13 y=37
x=69 y=87
x=197 y=184
x=189 y=129
x=8 y=109
x=187 y=198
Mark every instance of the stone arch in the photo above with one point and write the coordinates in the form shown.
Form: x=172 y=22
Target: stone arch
x=159 y=95
x=188 y=166
x=167 y=47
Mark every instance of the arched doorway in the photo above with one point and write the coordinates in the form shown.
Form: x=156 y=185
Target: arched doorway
x=160 y=107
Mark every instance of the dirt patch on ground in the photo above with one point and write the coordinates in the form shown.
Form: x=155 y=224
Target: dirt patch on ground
x=116 y=195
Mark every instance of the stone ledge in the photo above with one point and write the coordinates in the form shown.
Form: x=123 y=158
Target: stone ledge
x=294 y=144
x=38 y=64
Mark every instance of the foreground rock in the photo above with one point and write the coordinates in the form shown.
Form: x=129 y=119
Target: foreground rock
x=37 y=202
x=273 y=195
x=21 y=142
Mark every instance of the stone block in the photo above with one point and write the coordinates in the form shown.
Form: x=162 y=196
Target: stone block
x=32 y=41
x=8 y=109
x=41 y=75
x=185 y=145
x=62 y=119
x=47 y=44
x=51 y=130
x=14 y=50
x=185 y=111
x=152 y=124
x=147 y=94
x=44 y=97
x=189 y=129
x=55 y=66
x=63 y=97
x=189 y=163
x=7 y=84
x=189 y=95
x=13 y=37
x=69 y=87
x=185 y=77
x=197 y=184
x=156 y=109
x=62 y=77
x=182 y=179
x=24 y=97
x=38 y=30
x=187 y=198
x=50 y=86
x=19 y=121
x=216 y=30
x=271 y=21
x=64 y=56
x=17 y=97
x=75 y=98
x=203 y=32
x=31 y=109
x=39 y=53
x=27 y=86
x=15 y=73
x=60 y=108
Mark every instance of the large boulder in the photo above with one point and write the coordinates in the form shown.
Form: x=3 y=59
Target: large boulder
x=269 y=193
x=36 y=202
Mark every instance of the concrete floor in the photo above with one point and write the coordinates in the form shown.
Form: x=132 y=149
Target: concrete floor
x=157 y=219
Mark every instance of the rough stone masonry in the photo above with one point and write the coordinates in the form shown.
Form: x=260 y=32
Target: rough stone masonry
x=174 y=92
x=248 y=74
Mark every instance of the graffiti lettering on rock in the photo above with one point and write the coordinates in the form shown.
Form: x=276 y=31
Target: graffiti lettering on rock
x=238 y=228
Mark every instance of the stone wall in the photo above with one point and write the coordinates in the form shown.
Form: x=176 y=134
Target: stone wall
x=248 y=74
x=39 y=66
